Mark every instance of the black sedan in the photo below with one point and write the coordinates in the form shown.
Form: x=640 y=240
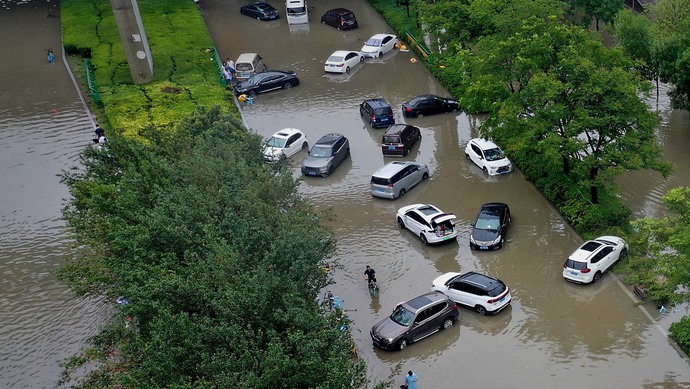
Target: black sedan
x=266 y=82
x=490 y=229
x=260 y=10
x=428 y=105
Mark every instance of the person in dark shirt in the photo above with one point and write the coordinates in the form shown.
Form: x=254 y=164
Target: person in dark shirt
x=370 y=274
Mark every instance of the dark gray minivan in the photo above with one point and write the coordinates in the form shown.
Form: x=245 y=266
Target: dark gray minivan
x=326 y=155
x=414 y=320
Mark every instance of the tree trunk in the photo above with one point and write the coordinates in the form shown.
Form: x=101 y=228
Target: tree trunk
x=593 y=191
x=566 y=165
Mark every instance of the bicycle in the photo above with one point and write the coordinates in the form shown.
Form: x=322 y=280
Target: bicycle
x=373 y=288
x=331 y=302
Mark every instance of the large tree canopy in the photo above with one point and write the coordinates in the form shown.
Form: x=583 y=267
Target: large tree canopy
x=219 y=258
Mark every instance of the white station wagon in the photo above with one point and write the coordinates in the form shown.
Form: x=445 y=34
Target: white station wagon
x=284 y=143
x=428 y=222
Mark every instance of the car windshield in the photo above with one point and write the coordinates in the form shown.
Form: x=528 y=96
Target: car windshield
x=320 y=151
x=494 y=154
x=335 y=58
x=485 y=222
x=373 y=42
x=402 y=316
x=276 y=142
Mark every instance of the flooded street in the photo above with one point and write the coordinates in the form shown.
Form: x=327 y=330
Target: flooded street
x=554 y=335
x=43 y=127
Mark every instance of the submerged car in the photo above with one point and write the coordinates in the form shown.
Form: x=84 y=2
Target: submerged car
x=414 y=320
x=425 y=105
x=486 y=295
x=284 y=143
x=396 y=178
x=591 y=260
x=488 y=156
x=326 y=155
x=342 y=61
x=378 y=45
x=428 y=222
x=399 y=139
x=490 y=229
x=260 y=10
x=340 y=18
x=267 y=81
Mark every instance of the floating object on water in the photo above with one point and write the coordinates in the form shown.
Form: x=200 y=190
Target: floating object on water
x=442 y=66
x=413 y=60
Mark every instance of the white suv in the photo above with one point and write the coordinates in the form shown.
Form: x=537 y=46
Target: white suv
x=484 y=294
x=488 y=156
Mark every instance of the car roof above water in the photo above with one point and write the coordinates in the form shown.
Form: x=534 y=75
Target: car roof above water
x=329 y=139
x=391 y=168
x=424 y=300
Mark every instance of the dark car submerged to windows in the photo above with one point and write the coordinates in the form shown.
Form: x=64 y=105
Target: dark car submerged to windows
x=490 y=229
x=414 y=320
x=428 y=105
x=260 y=10
x=340 y=18
x=267 y=81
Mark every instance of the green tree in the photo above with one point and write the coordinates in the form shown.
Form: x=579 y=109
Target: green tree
x=662 y=264
x=604 y=10
x=219 y=257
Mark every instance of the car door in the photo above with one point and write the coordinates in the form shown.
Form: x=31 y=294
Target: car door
x=386 y=44
x=272 y=82
x=339 y=152
x=292 y=146
x=413 y=222
x=351 y=59
x=424 y=107
x=476 y=155
x=504 y=221
x=437 y=105
x=420 y=325
x=254 y=11
x=608 y=258
x=599 y=261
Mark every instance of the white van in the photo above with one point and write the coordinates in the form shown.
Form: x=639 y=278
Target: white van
x=247 y=65
x=297 y=12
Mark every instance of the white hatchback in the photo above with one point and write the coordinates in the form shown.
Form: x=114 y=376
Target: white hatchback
x=284 y=143
x=378 y=45
x=488 y=156
x=428 y=222
x=342 y=61
x=594 y=258
x=484 y=294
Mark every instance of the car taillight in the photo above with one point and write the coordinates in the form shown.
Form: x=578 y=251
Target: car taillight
x=390 y=185
x=585 y=270
x=408 y=109
x=455 y=307
x=373 y=117
x=341 y=65
x=499 y=297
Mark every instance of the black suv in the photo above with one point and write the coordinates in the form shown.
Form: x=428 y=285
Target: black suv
x=326 y=154
x=377 y=112
x=340 y=18
x=399 y=139
x=414 y=320
x=490 y=229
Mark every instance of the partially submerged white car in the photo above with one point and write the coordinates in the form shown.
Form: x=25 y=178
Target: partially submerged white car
x=594 y=258
x=284 y=143
x=378 y=45
x=342 y=61
x=488 y=156
x=428 y=222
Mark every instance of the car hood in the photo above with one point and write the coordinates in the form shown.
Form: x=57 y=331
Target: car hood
x=316 y=162
x=370 y=49
x=244 y=85
x=273 y=151
x=498 y=163
x=485 y=235
x=387 y=328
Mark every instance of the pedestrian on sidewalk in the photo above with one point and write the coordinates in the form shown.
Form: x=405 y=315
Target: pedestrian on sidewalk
x=411 y=380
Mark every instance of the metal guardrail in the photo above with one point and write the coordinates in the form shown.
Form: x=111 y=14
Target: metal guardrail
x=219 y=68
x=91 y=80
x=418 y=45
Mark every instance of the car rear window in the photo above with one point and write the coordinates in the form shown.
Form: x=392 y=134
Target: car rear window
x=391 y=139
x=575 y=264
x=380 y=181
x=335 y=58
x=348 y=16
x=383 y=111
x=243 y=66
x=496 y=288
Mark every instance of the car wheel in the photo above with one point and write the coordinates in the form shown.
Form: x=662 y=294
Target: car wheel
x=401 y=222
x=480 y=310
x=467 y=156
x=305 y=145
x=252 y=93
x=423 y=238
x=405 y=152
x=623 y=254
x=337 y=27
x=380 y=54
x=425 y=176
x=597 y=276
x=486 y=171
x=402 y=344
x=347 y=154
x=447 y=323
x=361 y=59
x=402 y=192
x=347 y=70
x=331 y=170
x=258 y=18
x=287 y=85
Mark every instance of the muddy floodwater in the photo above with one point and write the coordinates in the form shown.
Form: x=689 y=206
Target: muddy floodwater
x=554 y=335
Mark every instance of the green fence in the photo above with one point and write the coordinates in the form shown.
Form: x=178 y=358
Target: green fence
x=418 y=46
x=219 y=68
x=91 y=79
